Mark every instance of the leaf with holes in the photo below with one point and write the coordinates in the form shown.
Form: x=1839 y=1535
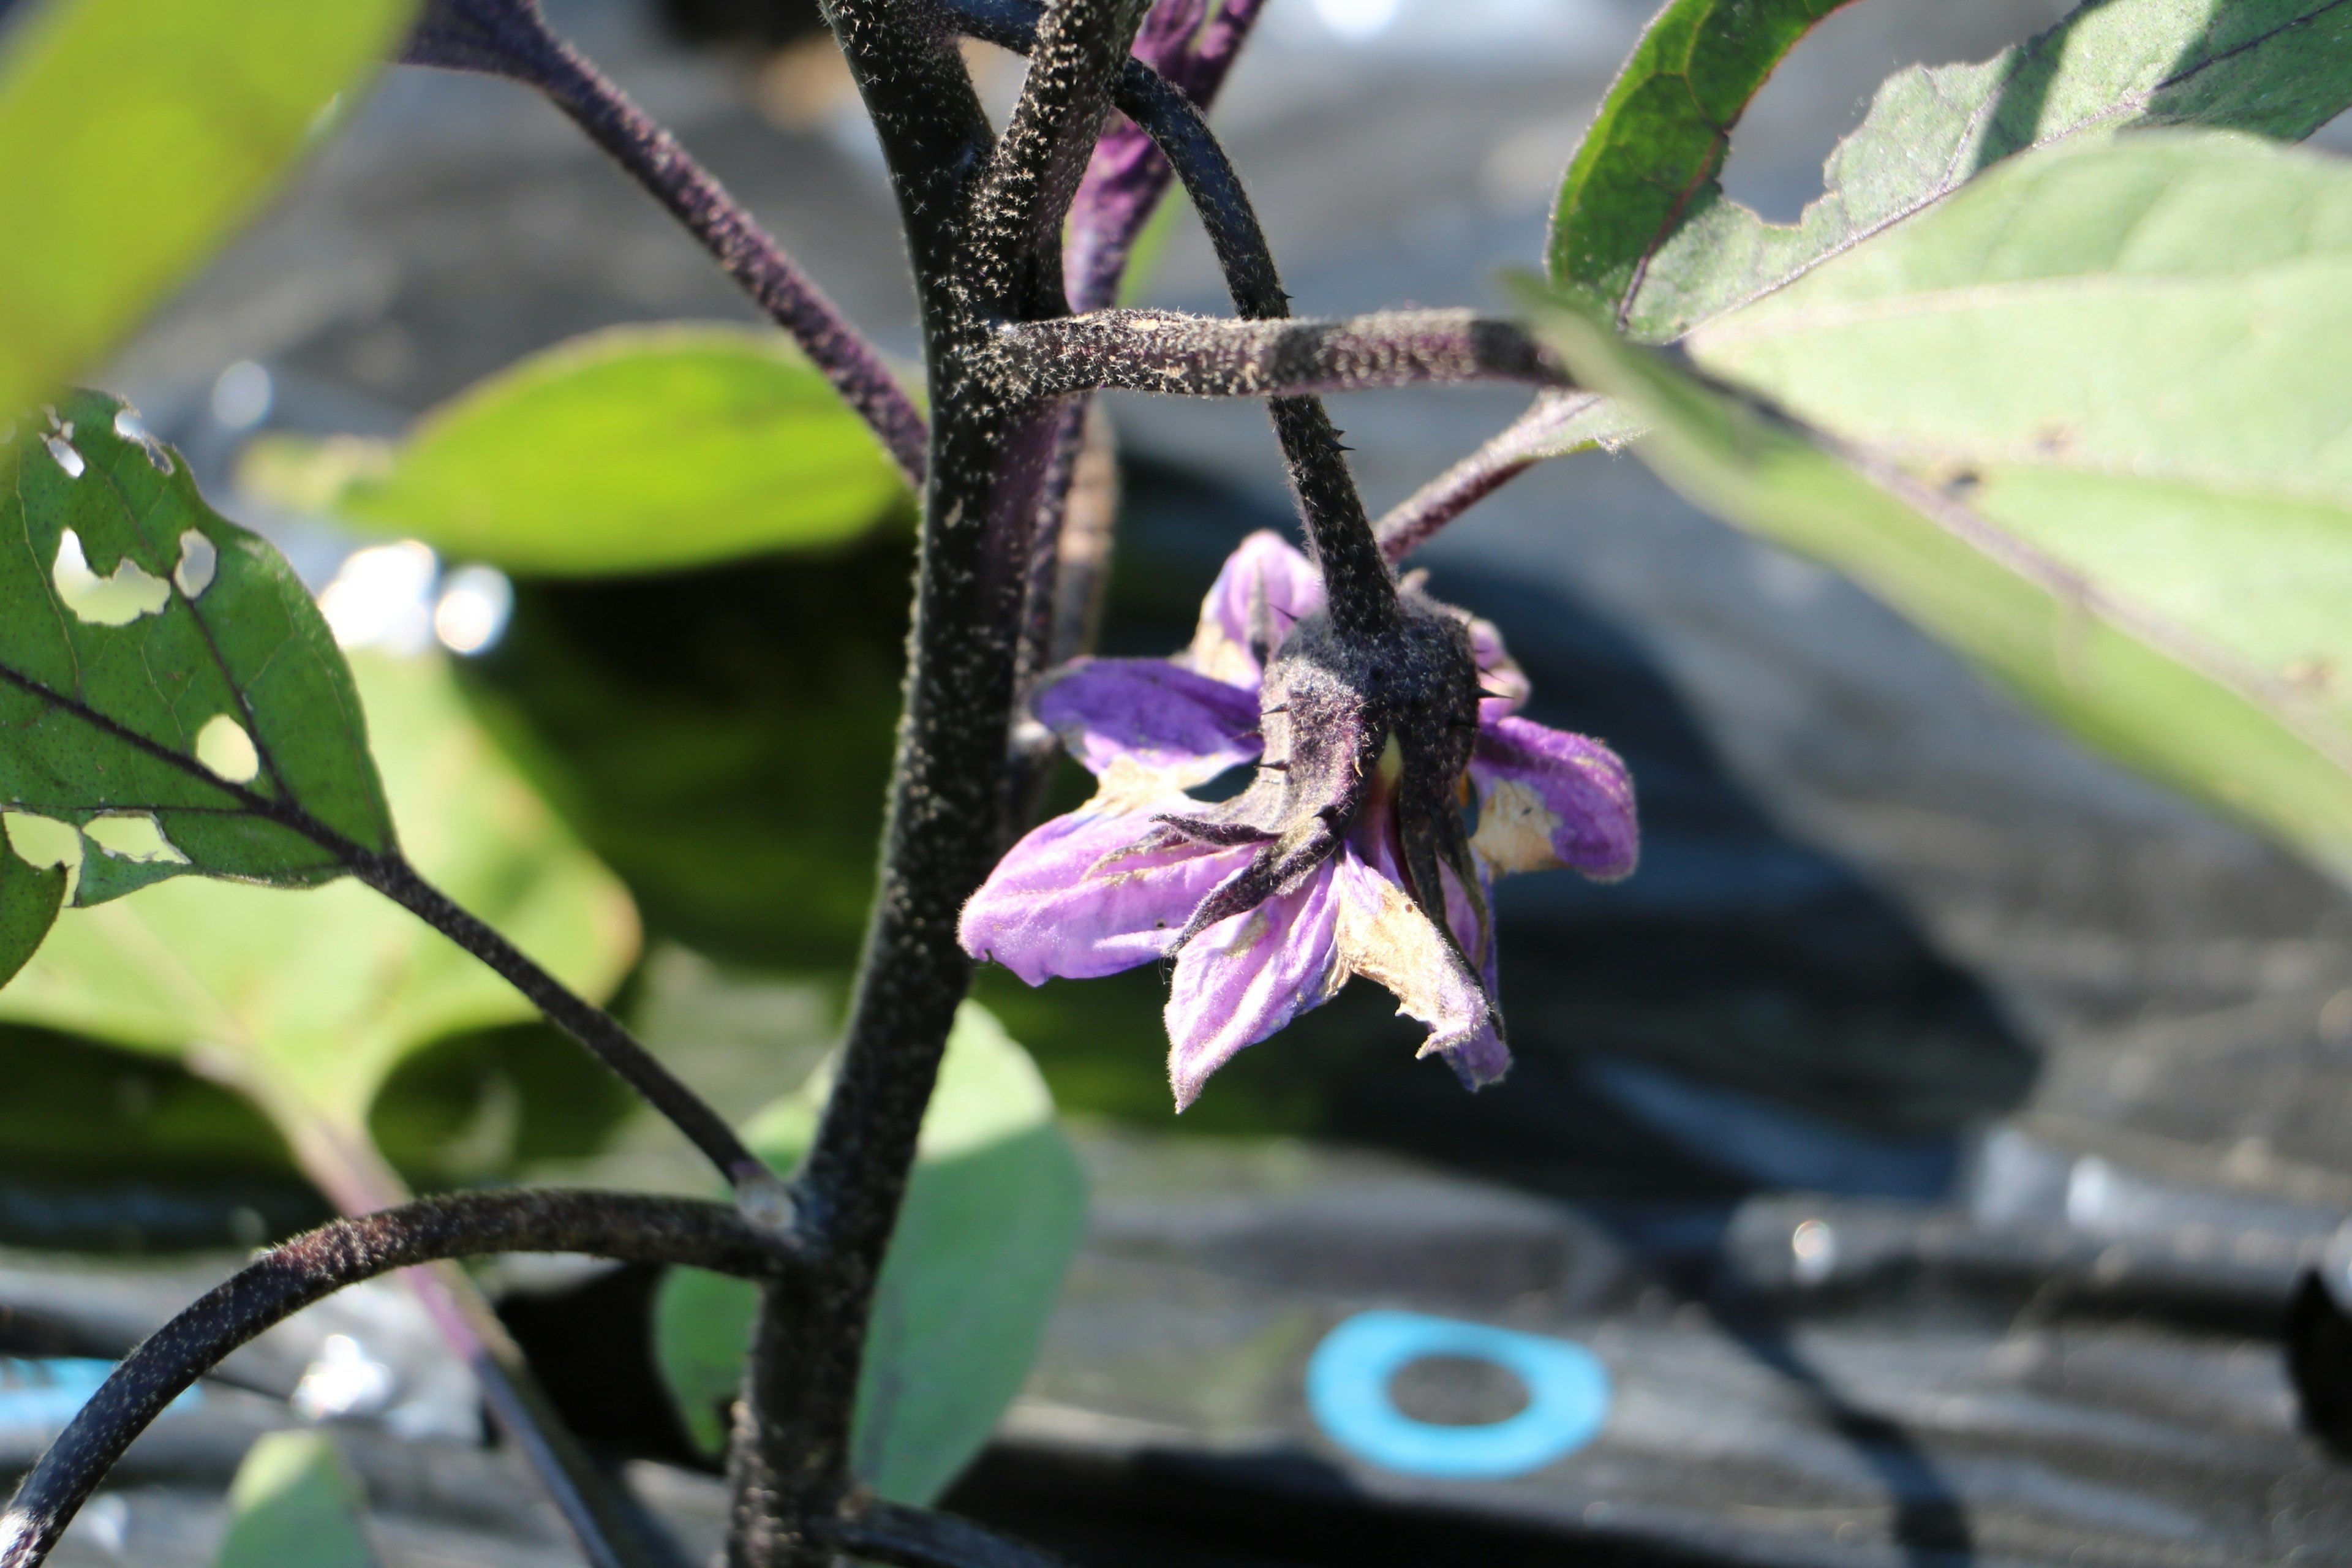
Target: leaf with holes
x=136 y=136
x=167 y=685
x=2126 y=486
x=309 y=1001
x=295 y=1504
x=632 y=449
x=995 y=1213
x=1643 y=233
x=29 y=899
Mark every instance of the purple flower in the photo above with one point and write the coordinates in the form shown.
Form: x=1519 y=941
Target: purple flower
x=1332 y=863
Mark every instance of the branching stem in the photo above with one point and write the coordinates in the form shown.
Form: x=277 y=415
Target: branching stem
x=622 y=1226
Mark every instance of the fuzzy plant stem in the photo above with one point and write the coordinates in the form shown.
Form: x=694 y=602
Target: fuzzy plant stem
x=623 y=1225
x=509 y=38
x=982 y=221
x=1527 y=440
x=1200 y=356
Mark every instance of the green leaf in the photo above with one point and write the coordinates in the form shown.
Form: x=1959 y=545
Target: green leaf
x=1661 y=134
x=166 y=684
x=631 y=450
x=29 y=900
x=2085 y=422
x=135 y=137
x=1645 y=234
x=995 y=1213
x=295 y=1504
x=307 y=1001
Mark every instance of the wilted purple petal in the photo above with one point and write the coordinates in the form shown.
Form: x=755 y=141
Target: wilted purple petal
x=1265 y=588
x=1244 y=978
x=1075 y=899
x=1503 y=686
x=1153 y=714
x=1549 y=798
x=1383 y=936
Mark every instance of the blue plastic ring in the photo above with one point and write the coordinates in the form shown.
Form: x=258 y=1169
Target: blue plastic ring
x=1347 y=1390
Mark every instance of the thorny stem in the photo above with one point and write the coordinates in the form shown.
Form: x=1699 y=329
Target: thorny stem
x=622 y=1226
x=1518 y=446
x=598 y=1030
x=509 y=38
x=1200 y=356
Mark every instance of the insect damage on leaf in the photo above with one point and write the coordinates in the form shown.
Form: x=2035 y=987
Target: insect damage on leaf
x=167 y=685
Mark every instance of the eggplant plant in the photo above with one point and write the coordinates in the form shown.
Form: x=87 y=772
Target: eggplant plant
x=2057 y=366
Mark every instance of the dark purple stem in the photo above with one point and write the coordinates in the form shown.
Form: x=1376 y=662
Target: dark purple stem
x=1202 y=356
x=509 y=38
x=623 y=1225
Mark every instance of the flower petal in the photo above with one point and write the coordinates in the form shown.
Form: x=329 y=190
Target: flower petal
x=1483 y=1059
x=1264 y=573
x=1246 y=976
x=1154 y=714
x=1383 y=936
x=1503 y=686
x=1076 y=899
x=1549 y=798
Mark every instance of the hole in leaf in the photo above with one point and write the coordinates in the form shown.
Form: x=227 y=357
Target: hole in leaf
x=43 y=841
x=222 y=746
x=68 y=458
x=134 y=836
x=128 y=424
x=117 y=600
x=199 y=559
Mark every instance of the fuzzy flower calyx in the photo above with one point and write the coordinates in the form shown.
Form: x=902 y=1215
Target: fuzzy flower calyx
x=1346 y=854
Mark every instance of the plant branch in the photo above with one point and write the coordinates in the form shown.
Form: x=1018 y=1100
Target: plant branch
x=509 y=38
x=906 y=1537
x=1205 y=356
x=1527 y=440
x=598 y=1030
x=623 y=1225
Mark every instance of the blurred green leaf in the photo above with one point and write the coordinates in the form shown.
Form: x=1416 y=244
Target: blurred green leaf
x=631 y=450
x=1644 y=234
x=135 y=136
x=166 y=684
x=307 y=1001
x=2123 y=482
x=720 y=738
x=295 y=1504
x=29 y=900
x=995 y=1213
